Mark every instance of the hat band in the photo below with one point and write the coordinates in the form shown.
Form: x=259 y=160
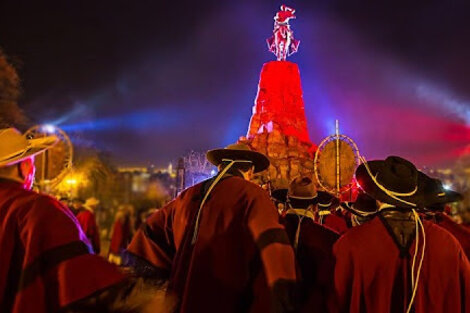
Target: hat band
x=302 y=198
x=16 y=154
x=236 y=161
x=389 y=192
x=363 y=213
x=357 y=211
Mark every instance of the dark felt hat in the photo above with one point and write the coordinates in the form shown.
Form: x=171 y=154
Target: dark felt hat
x=364 y=206
x=326 y=201
x=238 y=152
x=280 y=195
x=433 y=194
x=393 y=181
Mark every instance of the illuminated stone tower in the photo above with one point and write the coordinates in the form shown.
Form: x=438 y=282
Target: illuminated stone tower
x=278 y=126
x=279 y=102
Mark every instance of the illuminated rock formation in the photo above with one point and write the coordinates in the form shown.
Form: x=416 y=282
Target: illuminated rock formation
x=279 y=101
x=278 y=126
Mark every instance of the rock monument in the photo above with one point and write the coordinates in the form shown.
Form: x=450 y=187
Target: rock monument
x=278 y=126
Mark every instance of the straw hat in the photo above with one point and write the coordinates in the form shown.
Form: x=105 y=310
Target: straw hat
x=92 y=202
x=238 y=152
x=302 y=190
x=14 y=147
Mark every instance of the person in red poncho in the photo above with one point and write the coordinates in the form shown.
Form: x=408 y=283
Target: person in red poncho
x=435 y=212
x=465 y=214
x=396 y=262
x=46 y=263
x=86 y=217
x=219 y=243
x=121 y=234
x=327 y=214
x=313 y=245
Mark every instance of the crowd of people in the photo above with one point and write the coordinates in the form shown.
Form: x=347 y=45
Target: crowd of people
x=228 y=245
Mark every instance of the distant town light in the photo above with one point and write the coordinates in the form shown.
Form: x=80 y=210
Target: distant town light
x=447 y=186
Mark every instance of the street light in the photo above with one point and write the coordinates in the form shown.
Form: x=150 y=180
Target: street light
x=71 y=181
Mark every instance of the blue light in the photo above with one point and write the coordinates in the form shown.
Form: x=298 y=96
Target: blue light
x=156 y=119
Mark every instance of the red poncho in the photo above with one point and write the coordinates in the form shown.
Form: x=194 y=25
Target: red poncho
x=460 y=232
x=335 y=222
x=87 y=221
x=371 y=275
x=241 y=248
x=121 y=234
x=315 y=259
x=45 y=259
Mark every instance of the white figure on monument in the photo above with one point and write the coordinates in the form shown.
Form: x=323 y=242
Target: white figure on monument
x=282 y=43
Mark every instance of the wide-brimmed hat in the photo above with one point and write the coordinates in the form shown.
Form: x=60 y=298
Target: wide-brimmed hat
x=302 y=191
x=280 y=195
x=238 y=152
x=393 y=181
x=433 y=194
x=92 y=201
x=14 y=147
x=326 y=201
x=364 y=205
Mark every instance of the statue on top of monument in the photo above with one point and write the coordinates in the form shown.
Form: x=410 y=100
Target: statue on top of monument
x=282 y=43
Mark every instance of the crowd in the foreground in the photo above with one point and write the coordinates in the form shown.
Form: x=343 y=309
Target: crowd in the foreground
x=227 y=245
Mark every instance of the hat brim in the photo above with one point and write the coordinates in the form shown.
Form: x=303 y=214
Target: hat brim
x=430 y=196
x=302 y=202
x=349 y=206
x=326 y=201
x=370 y=188
x=259 y=160
x=450 y=196
x=453 y=196
x=36 y=146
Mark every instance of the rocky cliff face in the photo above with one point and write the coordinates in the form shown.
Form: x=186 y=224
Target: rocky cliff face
x=289 y=157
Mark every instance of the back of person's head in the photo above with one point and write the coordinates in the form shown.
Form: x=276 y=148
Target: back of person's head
x=77 y=203
x=242 y=167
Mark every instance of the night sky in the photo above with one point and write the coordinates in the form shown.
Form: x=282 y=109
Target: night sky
x=150 y=80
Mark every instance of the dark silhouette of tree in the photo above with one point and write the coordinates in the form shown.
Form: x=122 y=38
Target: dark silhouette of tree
x=10 y=112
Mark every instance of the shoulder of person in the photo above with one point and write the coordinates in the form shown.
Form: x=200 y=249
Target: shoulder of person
x=441 y=236
x=34 y=201
x=356 y=235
